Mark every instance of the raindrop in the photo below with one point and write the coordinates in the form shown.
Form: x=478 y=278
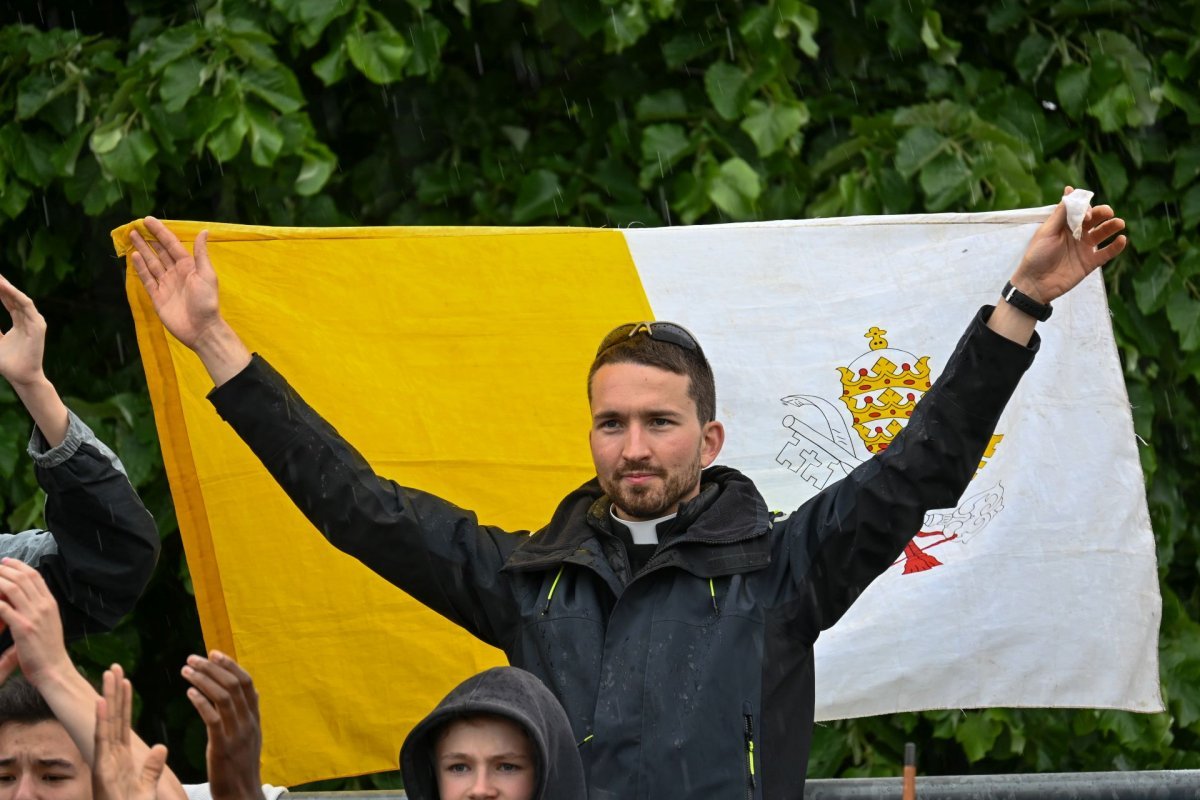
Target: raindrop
x=478 y=58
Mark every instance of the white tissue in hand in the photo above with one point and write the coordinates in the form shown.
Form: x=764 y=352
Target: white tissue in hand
x=1077 y=203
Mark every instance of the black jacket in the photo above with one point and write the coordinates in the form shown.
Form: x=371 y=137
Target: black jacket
x=693 y=678
x=514 y=694
x=102 y=544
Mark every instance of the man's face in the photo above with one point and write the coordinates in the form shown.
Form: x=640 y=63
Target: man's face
x=647 y=441
x=485 y=757
x=40 y=762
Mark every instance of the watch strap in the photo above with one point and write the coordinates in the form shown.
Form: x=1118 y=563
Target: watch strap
x=1023 y=302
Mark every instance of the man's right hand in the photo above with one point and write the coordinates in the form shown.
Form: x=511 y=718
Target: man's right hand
x=183 y=289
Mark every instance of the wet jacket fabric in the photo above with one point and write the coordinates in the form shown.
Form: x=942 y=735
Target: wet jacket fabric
x=516 y=695
x=693 y=678
x=101 y=544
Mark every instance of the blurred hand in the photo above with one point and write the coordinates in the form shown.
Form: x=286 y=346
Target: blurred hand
x=115 y=776
x=224 y=695
x=30 y=613
x=22 y=346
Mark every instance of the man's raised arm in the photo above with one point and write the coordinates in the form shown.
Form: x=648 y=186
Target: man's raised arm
x=436 y=552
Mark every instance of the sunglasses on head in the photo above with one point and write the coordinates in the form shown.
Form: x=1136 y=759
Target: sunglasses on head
x=659 y=331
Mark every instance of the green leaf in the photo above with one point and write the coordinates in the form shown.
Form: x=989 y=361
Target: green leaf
x=977 y=734
x=181 y=80
x=585 y=16
x=726 y=87
x=313 y=15
x=266 y=140
x=226 y=141
x=1150 y=285
x=106 y=137
x=1184 y=315
x=945 y=180
x=173 y=43
x=1183 y=100
x=941 y=47
x=35 y=91
x=379 y=55
x=1114 y=108
x=429 y=37
x=662 y=147
x=916 y=148
x=1187 y=165
x=802 y=18
x=659 y=106
x=128 y=160
x=1071 y=84
x=13 y=198
x=684 y=47
x=1112 y=174
x=538 y=197
x=315 y=168
x=278 y=87
x=770 y=126
x=331 y=67
x=734 y=188
x=626 y=24
x=1189 y=207
x=1033 y=54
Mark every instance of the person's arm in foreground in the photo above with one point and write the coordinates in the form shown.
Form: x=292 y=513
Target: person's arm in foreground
x=1055 y=262
x=102 y=543
x=117 y=773
x=224 y=695
x=28 y=610
x=21 y=350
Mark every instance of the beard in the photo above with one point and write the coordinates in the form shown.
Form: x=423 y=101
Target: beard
x=658 y=497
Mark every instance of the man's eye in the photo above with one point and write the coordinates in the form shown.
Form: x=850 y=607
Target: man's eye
x=456 y=768
x=507 y=767
x=661 y=422
x=55 y=778
x=7 y=778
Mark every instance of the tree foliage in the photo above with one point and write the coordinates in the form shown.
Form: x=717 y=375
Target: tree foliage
x=614 y=112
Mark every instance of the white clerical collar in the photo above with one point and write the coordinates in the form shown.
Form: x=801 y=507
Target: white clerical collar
x=643 y=532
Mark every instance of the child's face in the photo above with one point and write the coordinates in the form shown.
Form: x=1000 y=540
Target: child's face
x=485 y=757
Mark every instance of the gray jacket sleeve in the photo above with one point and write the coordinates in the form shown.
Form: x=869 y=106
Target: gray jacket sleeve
x=101 y=544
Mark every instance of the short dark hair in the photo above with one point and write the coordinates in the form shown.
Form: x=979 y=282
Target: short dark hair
x=20 y=702
x=642 y=349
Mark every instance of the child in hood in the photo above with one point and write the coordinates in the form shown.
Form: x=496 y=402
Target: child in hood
x=500 y=734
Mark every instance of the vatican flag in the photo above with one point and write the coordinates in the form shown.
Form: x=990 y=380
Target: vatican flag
x=455 y=360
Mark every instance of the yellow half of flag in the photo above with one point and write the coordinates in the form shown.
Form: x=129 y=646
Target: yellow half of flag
x=454 y=359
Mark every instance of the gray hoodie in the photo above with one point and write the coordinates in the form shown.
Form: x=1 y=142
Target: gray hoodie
x=505 y=692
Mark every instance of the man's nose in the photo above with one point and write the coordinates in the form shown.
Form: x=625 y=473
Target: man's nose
x=636 y=444
x=26 y=788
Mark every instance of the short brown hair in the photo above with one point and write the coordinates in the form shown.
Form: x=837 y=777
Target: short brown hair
x=649 y=352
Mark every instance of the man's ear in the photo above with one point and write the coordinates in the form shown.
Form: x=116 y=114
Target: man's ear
x=713 y=441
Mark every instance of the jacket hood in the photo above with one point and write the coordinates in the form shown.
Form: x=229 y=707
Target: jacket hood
x=505 y=692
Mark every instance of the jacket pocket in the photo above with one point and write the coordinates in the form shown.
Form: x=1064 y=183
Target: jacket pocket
x=751 y=767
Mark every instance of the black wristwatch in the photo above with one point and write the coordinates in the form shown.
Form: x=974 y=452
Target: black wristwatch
x=1023 y=302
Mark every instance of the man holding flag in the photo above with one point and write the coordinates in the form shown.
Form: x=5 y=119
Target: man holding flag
x=668 y=610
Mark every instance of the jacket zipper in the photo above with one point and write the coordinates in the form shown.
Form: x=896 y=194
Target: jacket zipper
x=748 y=719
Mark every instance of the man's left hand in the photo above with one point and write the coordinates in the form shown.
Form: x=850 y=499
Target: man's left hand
x=1055 y=262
